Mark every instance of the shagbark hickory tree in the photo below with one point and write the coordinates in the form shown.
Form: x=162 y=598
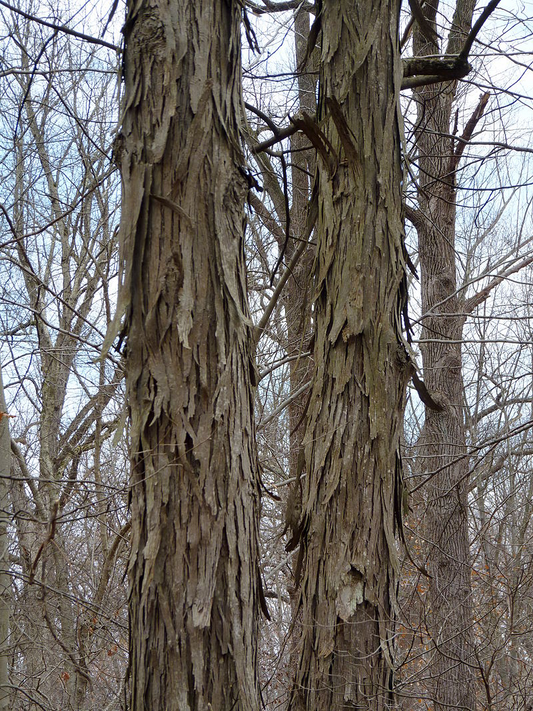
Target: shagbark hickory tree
x=355 y=409
x=194 y=496
x=194 y=586
x=195 y=589
x=351 y=480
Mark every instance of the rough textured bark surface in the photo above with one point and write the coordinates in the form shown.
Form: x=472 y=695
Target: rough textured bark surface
x=297 y=295
x=194 y=494
x=5 y=578
x=298 y=308
x=355 y=410
x=443 y=443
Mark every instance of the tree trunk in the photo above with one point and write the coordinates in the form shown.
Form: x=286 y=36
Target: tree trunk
x=5 y=578
x=443 y=443
x=194 y=495
x=297 y=297
x=355 y=410
x=298 y=308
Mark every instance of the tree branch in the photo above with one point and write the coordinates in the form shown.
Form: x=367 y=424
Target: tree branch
x=425 y=28
x=311 y=219
x=498 y=406
x=293 y=396
x=415 y=217
x=27 y=478
x=477 y=27
x=468 y=132
x=474 y=301
x=270 y=6
x=283 y=361
x=422 y=71
x=266 y=218
x=109 y=561
x=279 y=133
x=49 y=537
x=61 y=28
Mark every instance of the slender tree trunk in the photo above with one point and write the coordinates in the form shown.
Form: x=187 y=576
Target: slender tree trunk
x=194 y=494
x=298 y=291
x=298 y=306
x=5 y=578
x=355 y=411
x=297 y=295
x=443 y=444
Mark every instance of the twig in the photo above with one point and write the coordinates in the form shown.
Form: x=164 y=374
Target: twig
x=47 y=540
x=311 y=219
x=61 y=28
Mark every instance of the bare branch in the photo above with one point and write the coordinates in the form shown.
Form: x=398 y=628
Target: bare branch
x=474 y=301
x=27 y=478
x=283 y=361
x=49 y=537
x=270 y=6
x=498 y=406
x=293 y=396
x=477 y=27
x=266 y=218
x=425 y=28
x=120 y=539
x=422 y=71
x=311 y=219
x=279 y=133
x=468 y=132
x=61 y=28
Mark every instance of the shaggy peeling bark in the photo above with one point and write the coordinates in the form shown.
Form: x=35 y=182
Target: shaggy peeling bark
x=355 y=410
x=194 y=494
x=297 y=295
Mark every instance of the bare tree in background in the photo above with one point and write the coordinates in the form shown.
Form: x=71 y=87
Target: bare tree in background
x=469 y=517
x=65 y=489
x=6 y=604
x=443 y=448
x=443 y=441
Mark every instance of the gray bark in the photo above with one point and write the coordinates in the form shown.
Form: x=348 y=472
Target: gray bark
x=443 y=444
x=355 y=411
x=297 y=295
x=5 y=577
x=194 y=491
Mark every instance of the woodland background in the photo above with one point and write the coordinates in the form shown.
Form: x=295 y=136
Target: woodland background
x=64 y=478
